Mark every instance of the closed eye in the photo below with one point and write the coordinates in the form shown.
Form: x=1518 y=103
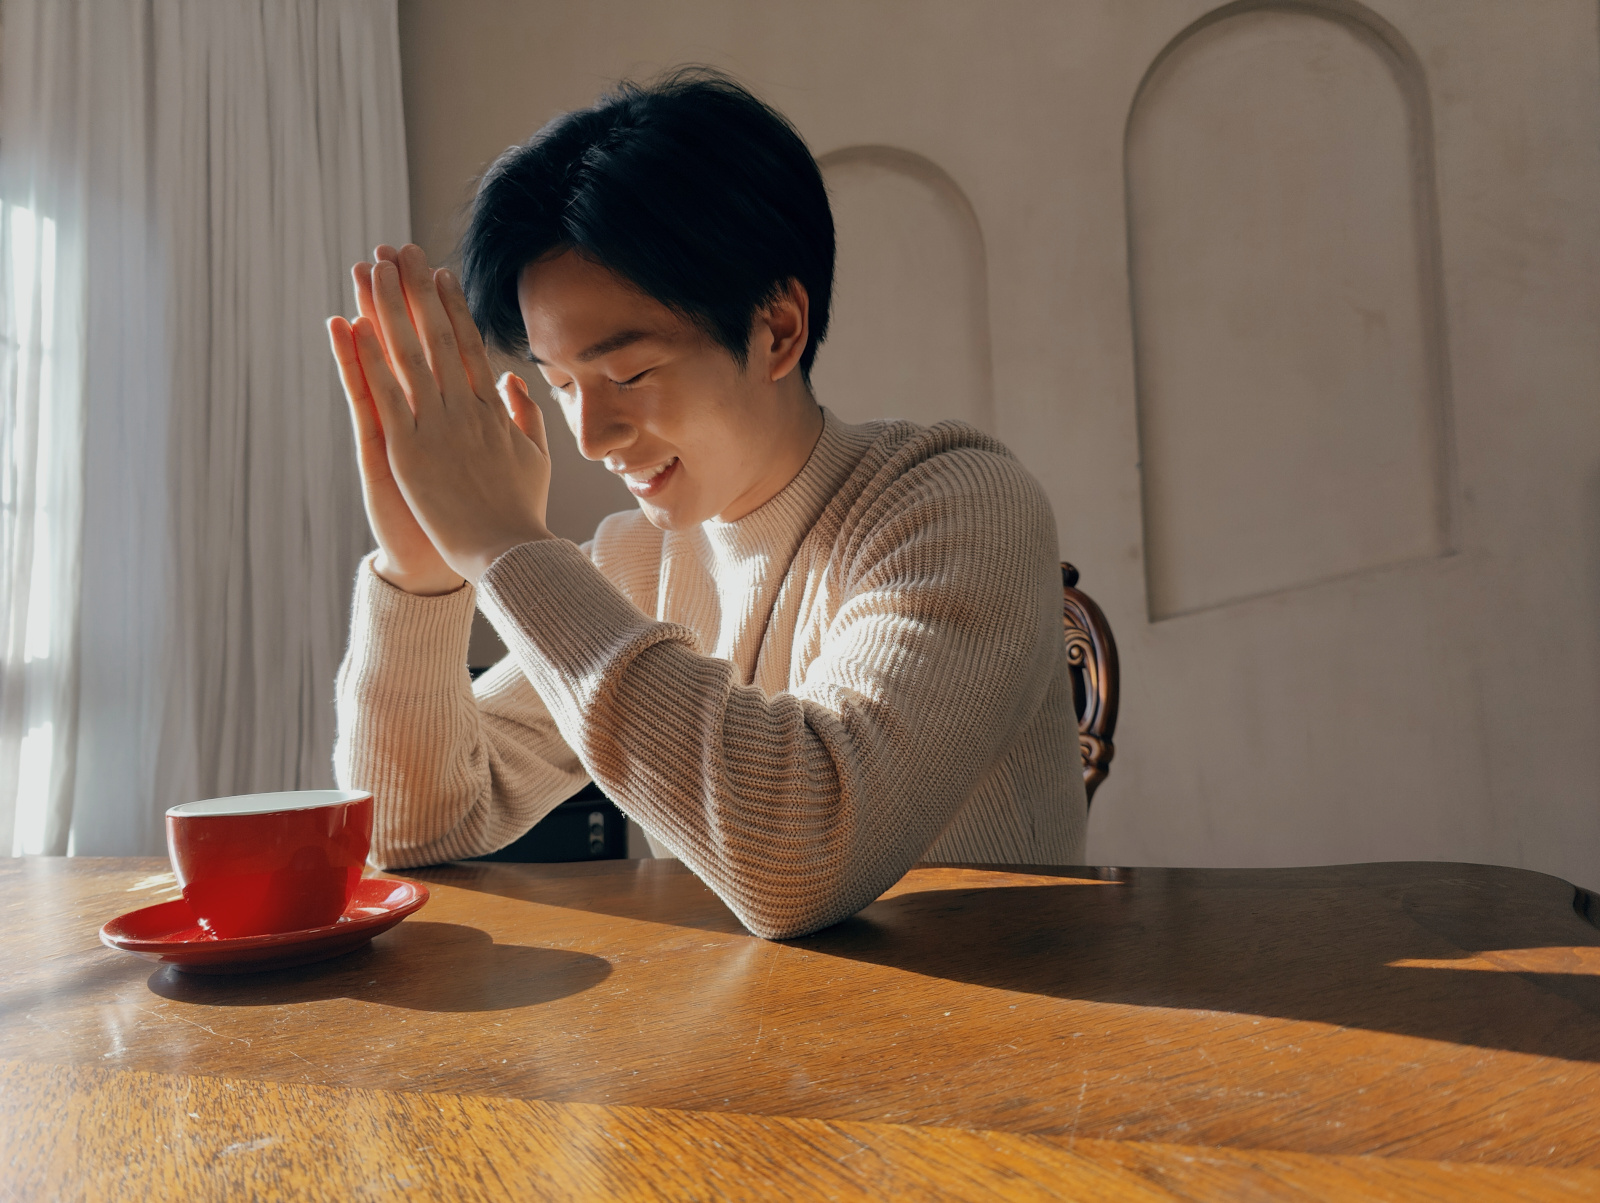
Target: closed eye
x=632 y=380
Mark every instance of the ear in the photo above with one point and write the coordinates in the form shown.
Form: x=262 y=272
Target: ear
x=782 y=330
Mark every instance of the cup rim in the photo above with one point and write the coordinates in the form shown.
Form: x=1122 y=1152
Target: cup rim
x=278 y=802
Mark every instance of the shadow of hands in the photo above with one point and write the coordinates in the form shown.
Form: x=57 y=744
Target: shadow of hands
x=419 y=966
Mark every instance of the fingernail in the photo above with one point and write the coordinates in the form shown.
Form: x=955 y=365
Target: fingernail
x=447 y=274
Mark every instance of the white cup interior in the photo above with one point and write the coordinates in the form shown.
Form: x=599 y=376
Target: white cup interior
x=266 y=804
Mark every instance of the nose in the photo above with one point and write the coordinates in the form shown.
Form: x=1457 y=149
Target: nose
x=598 y=426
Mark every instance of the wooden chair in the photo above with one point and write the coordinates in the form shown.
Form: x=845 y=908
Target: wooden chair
x=1092 y=665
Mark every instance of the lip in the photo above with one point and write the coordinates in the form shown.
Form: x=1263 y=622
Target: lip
x=653 y=486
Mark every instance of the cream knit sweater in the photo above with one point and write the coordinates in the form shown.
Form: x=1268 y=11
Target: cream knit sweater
x=865 y=672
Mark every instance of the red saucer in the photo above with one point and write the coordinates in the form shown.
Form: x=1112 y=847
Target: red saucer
x=167 y=933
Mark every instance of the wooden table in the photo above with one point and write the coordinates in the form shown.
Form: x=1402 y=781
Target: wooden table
x=607 y=1030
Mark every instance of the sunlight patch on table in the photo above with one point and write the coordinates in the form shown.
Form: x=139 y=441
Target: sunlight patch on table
x=1581 y=960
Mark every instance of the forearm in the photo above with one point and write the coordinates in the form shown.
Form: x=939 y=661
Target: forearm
x=452 y=775
x=797 y=809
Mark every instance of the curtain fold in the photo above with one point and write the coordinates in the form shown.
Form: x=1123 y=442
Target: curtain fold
x=43 y=173
x=236 y=156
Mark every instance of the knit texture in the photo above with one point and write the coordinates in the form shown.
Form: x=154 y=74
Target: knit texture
x=865 y=672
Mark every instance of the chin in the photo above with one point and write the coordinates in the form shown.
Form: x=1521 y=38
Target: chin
x=665 y=519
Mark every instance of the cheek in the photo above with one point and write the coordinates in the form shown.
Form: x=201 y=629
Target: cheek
x=722 y=421
x=699 y=412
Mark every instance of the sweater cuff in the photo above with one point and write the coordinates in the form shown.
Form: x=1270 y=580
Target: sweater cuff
x=569 y=627
x=394 y=628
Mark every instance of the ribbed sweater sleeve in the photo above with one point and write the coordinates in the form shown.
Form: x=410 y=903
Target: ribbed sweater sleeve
x=801 y=807
x=456 y=769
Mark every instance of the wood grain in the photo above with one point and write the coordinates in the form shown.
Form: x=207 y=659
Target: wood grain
x=109 y=1134
x=1259 y=1022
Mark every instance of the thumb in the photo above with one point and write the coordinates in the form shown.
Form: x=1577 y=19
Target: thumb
x=524 y=412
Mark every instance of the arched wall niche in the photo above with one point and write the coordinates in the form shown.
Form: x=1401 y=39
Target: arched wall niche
x=909 y=332
x=1292 y=377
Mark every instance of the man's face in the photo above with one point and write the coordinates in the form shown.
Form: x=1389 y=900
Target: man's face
x=647 y=392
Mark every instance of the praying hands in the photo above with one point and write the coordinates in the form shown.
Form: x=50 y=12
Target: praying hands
x=451 y=478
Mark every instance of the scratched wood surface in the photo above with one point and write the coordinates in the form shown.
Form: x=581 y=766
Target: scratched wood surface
x=86 y=1131
x=1180 y=1029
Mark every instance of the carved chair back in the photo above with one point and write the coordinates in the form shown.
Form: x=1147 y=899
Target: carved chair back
x=1092 y=665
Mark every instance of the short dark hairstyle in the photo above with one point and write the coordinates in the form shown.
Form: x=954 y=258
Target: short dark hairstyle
x=688 y=187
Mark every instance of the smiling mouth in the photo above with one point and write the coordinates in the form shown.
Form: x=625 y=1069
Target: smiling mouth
x=643 y=482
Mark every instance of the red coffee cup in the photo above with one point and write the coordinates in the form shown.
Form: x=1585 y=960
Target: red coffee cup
x=259 y=864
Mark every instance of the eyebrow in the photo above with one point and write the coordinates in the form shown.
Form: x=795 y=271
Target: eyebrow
x=623 y=338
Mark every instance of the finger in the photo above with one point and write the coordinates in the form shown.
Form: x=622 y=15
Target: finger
x=400 y=337
x=433 y=325
x=384 y=253
x=361 y=275
x=366 y=307
x=362 y=414
x=527 y=415
x=474 y=356
x=388 y=398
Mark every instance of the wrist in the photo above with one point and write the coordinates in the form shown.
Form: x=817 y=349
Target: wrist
x=422 y=584
x=499 y=547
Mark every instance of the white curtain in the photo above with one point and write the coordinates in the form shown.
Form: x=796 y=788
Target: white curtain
x=182 y=517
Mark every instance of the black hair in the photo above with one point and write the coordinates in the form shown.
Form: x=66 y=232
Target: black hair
x=689 y=187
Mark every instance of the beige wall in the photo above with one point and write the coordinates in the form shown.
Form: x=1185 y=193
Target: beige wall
x=1293 y=312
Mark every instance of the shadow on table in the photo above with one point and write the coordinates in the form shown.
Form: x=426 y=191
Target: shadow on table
x=1317 y=944
x=1327 y=945
x=649 y=891
x=419 y=966
x=52 y=984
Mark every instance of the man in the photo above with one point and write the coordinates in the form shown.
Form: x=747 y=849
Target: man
x=816 y=654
